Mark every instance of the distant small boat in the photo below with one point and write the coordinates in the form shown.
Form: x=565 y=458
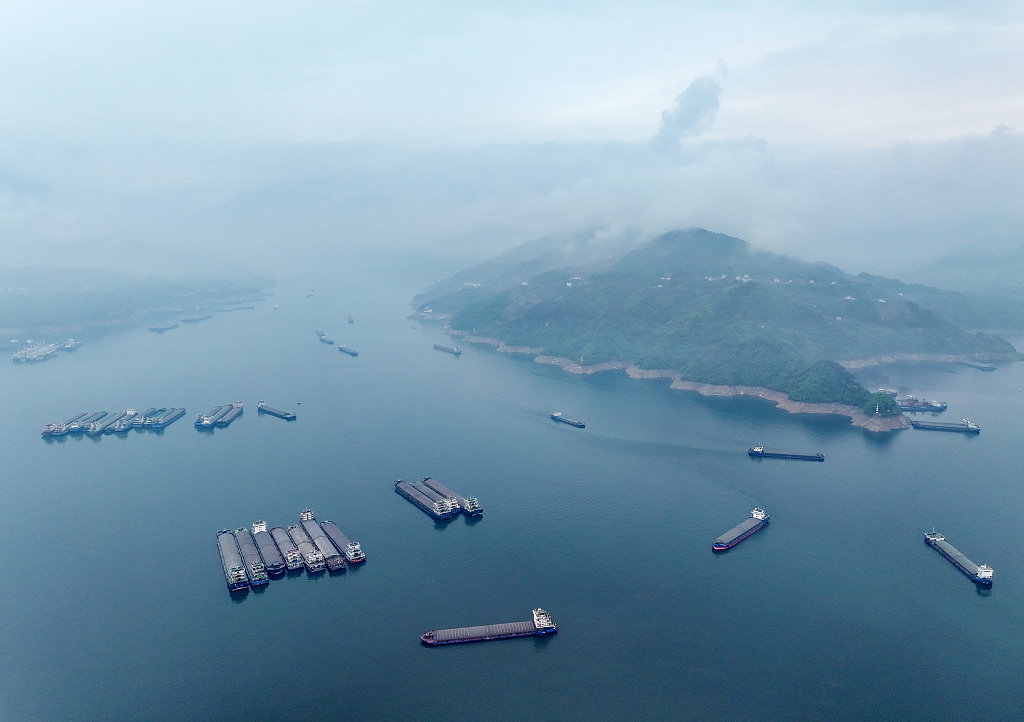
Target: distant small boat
x=275 y=306
x=350 y=319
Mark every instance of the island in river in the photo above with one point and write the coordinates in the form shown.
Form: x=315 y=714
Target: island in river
x=720 y=317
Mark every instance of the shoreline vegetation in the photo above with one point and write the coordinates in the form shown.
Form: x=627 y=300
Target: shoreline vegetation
x=781 y=400
x=714 y=315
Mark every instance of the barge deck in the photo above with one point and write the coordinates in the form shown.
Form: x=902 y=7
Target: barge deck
x=979 y=574
x=758 y=451
x=540 y=624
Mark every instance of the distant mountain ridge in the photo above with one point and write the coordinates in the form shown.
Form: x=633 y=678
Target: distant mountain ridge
x=721 y=312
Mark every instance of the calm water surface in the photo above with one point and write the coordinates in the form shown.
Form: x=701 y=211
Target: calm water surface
x=114 y=604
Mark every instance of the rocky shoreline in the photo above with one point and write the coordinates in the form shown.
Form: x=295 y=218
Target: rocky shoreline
x=857 y=416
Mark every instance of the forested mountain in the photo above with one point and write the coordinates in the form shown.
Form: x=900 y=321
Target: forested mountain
x=719 y=311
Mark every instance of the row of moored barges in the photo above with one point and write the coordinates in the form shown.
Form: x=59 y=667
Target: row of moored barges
x=251 y=559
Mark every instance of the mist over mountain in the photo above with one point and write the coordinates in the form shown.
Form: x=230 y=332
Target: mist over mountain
x=720 y=311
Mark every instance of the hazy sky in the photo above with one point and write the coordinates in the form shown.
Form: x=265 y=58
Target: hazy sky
x=230 y=131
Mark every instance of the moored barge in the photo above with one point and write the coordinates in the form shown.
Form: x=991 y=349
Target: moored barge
x=272 y=558
x=351 y=550
x=231 y=412
x=912 y=403
x=979 y=574
x=311 y=557
x=540 y=624
x=758 y=519
x=263 y=408
x=438 y=509
x=231 y=559
x=453 y=350
x=558 y=416
x=254 y=565
x=979 y=365
x=759 y=451
x=290 y=552
x=333 y=559
x=469 y=505
x=967 y=427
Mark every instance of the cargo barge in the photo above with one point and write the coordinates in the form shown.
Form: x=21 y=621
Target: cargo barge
x=323 y=338
x=311 y=557
x=557 y=416
x=290 y=552
x=195 y=319
x=123 y=426
x=161 y=418
x=912 y=403
x=207 y=420
x=272 y=558
x=439 y=510
x=469 y=505
x=254 y=565
x=759 y=452
x=758 y=519
x=540 y=624
x=967 y=427
x=346 y=349
x=333 y=559
x=979 y=365
x=97 y=428
x=231 y=412
x=453 y=350
x=980 y=575
x=83 y=423
x=164 y=327
x=262 y=408
x=231 y=560
x=351 y=550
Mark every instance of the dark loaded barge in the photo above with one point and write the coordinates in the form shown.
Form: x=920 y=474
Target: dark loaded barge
x=161 y=418
x=333 y=559
x=351 y=550
x=427 y=499
x=469 y=505
x=758 y=519
x=453 y=350
x=262 y=408
x=759 y=452
x=346 y=349
x=254 y=565
x=980 y=575
x=557 y=416
x=540 y=624
x=272 y=557
x=967 y=427
x=231 y=560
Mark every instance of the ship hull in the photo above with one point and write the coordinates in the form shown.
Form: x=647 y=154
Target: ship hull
x=429 y=641
x=724 y=546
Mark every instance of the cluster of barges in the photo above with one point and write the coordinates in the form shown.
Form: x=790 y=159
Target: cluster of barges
x=37 y=351
x=252 y=559
x=437 y=500
x=95 y=423
x=219 y=417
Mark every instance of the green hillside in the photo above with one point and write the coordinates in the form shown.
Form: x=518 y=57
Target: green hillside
x=718 y=311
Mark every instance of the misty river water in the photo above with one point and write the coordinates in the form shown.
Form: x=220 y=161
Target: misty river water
x=114 y=604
